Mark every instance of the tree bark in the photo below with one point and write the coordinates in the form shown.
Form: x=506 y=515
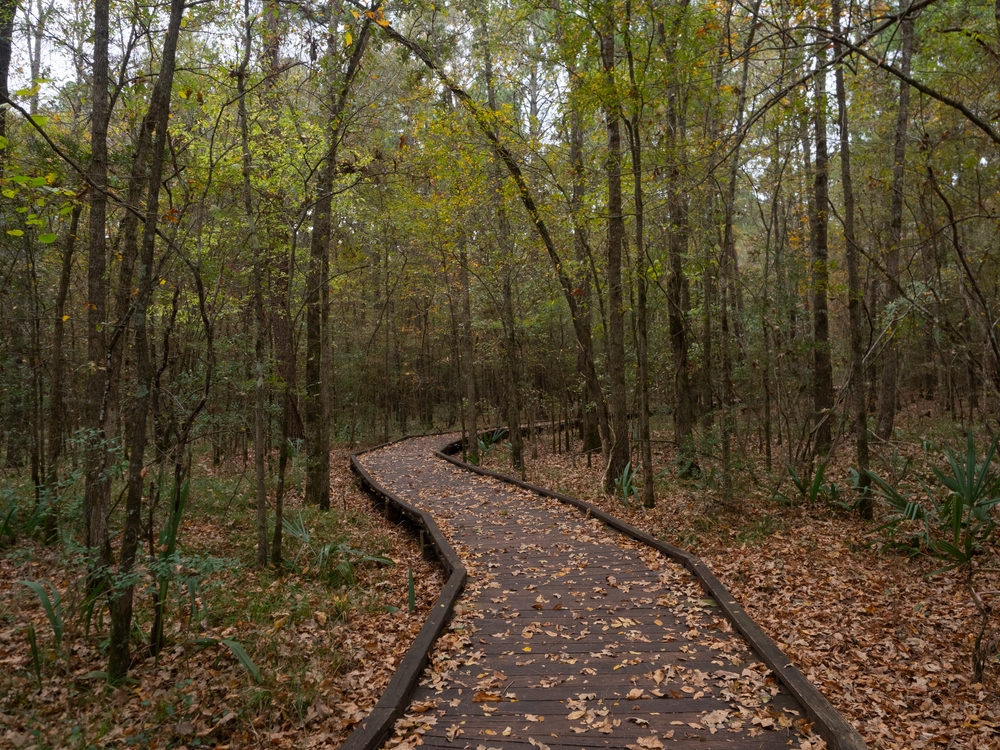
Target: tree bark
x=97 y=488
x=677 y=295
x=285 y=354
x=822 y=365
x=619 y=454
x=258 y=297
x=729 y=254
x=854 y=292
x=317 y=393
x=594 y=410
x=57 y=411
x=642 y=324
x=8 y=9
x=890 y=355
x=468 y=349
x=119 y=656
x=507 y=272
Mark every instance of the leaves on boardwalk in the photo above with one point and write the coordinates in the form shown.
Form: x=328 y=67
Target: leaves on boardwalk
x=569 y=629
x=883 y=643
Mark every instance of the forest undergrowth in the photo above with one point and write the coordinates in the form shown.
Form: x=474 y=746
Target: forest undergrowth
x=323 y=636
x=889 y=644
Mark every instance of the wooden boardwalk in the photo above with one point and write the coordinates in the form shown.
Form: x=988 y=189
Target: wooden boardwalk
x=572 y=635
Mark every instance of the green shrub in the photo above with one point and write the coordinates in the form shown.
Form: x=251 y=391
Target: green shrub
x=954 y=523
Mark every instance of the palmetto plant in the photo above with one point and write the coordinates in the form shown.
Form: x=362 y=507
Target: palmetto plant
x=334 y=560
x=956 y=528
x=625 y=486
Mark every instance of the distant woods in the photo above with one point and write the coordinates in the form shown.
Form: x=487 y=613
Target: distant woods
x=246 y=232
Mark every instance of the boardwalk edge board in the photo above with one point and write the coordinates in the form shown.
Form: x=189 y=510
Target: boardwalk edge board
x=827 y=721
x=371 y=733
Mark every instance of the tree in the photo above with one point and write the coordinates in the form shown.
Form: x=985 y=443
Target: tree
x=890 y=366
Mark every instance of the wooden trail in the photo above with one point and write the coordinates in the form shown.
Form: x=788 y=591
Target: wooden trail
x=569 y=634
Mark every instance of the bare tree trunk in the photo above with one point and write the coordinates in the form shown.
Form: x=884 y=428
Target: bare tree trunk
x=317 y=400
x=677 y=295
x=510 y=357
x=594 y=411
x=854 y=292
x=890 y=355
x=729 y=253
x=97 y=487
x=258 y=299
x=468 y=355
x=57 y=412
x=642 y=324
x=121 y=600
x=822 y=365
x=619 y=454
x=285 y=353
x=505 y=250
x=8 y=9
x=37 y=34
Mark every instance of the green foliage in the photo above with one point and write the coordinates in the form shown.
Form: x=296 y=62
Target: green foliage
x=237 y=650
x=334 y=561
x=760 y=529
x=958 y=528
x=486 y=443
x=625 y=486
x=411 y=598
x=36 y=660
x=52 y=607
x=810 y=486
x=954 y=527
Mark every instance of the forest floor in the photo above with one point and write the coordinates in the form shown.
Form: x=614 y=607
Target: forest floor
x=887 y=644
x=326 y=643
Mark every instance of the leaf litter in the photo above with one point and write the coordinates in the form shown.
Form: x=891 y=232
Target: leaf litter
x=888 y=646
x=326 y=654
x=542 y=579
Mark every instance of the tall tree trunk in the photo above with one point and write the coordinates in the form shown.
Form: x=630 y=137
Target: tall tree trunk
x=317 y=433
x=854 y=291
x=36 y=35
x=97 y=487
x=725 y=272
x=890 y=355
x=8 y=9
x=511 y=361
x=119 y=656
x=258 y=298
x=57 y=413
x=642 y=324
x=468 y=348
x=317 y=399
x=124 y=298
x=677 y=295
x=507 y=304
x=822 y=365
x=594 y=411
x=619 y=454
x=285 y=354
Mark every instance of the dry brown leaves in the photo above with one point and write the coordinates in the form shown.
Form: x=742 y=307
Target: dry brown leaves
x=326 y=655
x=889 y=647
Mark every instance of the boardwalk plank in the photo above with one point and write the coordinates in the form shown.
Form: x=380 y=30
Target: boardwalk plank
x=544 y=581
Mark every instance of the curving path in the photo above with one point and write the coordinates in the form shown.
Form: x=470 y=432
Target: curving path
x=569 y=634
